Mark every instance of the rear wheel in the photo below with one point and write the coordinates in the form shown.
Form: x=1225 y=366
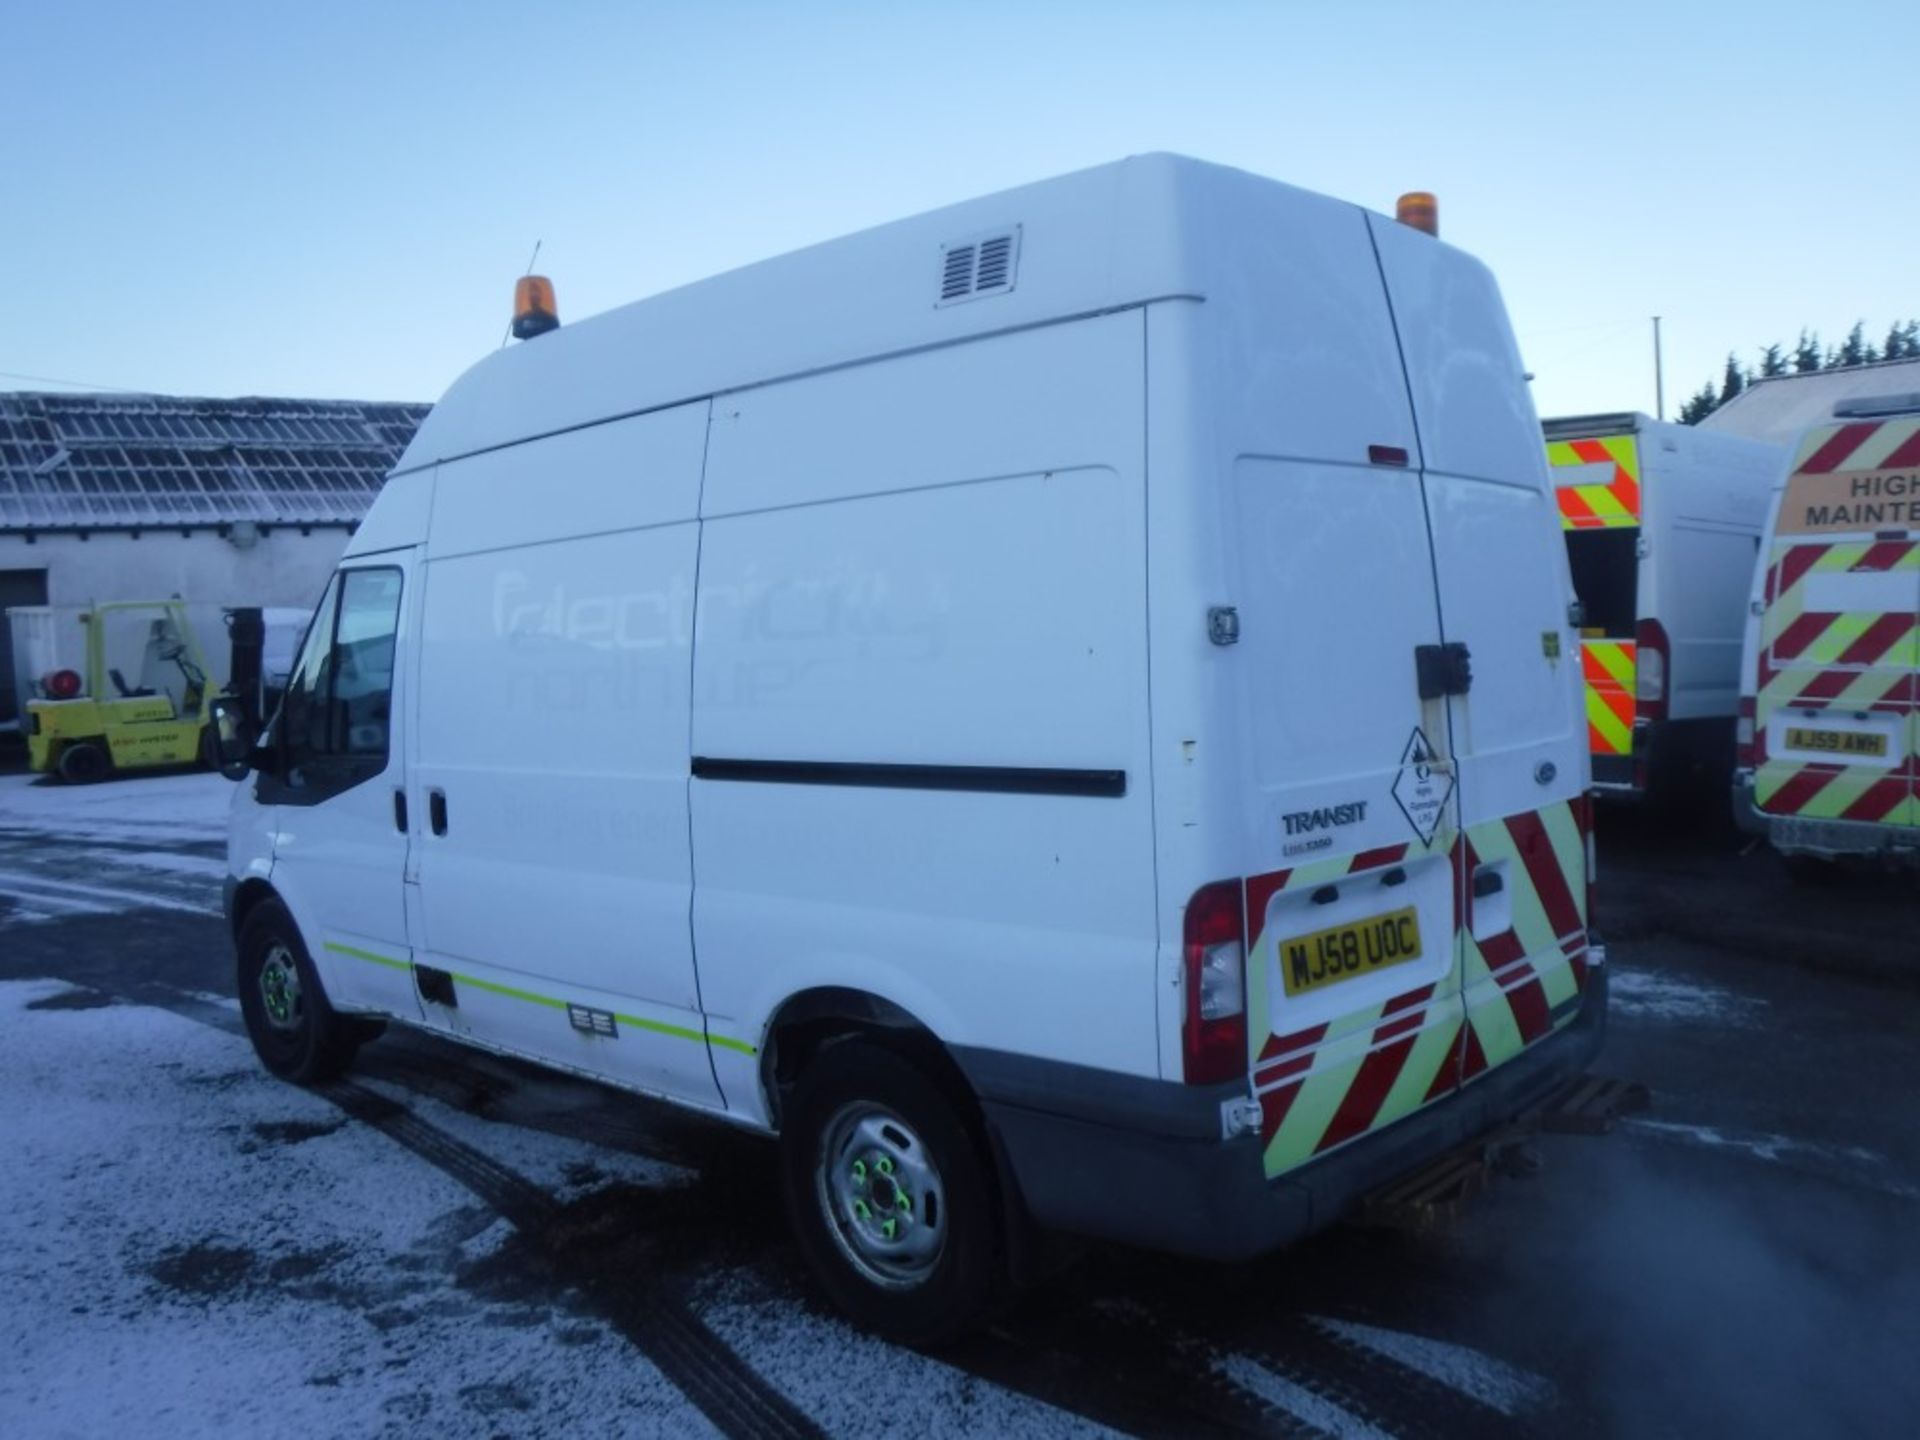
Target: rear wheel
x=84 y=762
x=295 y=1032
x=890 y=1196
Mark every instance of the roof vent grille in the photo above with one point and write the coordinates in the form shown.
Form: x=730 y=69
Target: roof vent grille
x=979 y=266
x=956 y=275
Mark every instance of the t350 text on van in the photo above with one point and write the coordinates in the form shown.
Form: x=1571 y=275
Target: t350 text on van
x=873 y=697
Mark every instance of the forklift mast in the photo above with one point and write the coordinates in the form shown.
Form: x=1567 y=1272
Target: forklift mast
x=247 y=636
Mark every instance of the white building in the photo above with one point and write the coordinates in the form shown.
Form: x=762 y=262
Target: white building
x=141 y=497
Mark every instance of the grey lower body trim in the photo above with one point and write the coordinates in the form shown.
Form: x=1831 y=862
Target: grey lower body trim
x=1824 y=839
x=1142 y=1162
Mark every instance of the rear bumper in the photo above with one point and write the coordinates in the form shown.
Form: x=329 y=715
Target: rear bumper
x=1143 y=1162
x=1668 y=755
x=1824 y=839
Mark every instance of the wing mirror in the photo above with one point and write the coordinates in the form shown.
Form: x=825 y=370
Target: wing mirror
x=234 y=745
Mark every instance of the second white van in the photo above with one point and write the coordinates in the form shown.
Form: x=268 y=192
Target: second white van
x=1663 y=529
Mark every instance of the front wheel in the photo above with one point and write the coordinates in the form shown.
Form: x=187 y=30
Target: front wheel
x=294 y=1031
x=890 y=1196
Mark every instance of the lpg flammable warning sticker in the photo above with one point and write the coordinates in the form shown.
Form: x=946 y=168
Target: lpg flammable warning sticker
x=1423 y=786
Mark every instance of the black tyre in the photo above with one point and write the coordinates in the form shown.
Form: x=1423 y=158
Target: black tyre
x=890 y=1196
x=84 y=762
x=295 y=1032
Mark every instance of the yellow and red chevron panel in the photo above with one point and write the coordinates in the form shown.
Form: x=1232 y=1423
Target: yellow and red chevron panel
x=1854 y=663
x=1860 y=476
x=1328 y=1084
x=1607 y=493
x=1610 y=668
x=1795 y=635
x=1518 y=980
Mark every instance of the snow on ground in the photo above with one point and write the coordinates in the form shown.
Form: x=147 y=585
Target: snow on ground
x=155 y=841
x=1506 y=1388
x=1665 y=997
x=809 y=1356
x=155 y=809
x=1844 y=1164
x=191 y=1248
x=1311 y=1409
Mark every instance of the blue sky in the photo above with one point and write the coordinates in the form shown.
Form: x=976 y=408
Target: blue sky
x=334 y=199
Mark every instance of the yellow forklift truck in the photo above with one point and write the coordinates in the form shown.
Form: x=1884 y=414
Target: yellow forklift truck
x=85 y=728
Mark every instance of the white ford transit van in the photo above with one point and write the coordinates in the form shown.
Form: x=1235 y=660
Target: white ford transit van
x=1064 y=709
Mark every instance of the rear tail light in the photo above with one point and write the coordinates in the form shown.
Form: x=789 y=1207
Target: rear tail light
x=1213 y=1041
x=61 y=684
x=1746 y=753
x=1651 y=664
x=1583 y=817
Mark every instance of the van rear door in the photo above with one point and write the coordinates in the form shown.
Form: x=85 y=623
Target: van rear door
x=1514 y=728
x=1837 y=718
x=1347 y=843
x=1597 y=483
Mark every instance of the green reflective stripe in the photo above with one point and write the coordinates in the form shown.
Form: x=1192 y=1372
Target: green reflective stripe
x=660 y=1027
x=657 y=1027
x=509 y=991
x=386 y=960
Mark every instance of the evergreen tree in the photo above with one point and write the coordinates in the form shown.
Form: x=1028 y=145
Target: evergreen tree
x=1902 y=343
x=1732 y=382
x=1699 y=407
x=1853 y=350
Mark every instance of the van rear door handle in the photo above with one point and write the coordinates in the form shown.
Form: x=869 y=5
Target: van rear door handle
x=1443 y=669
x=437 y=811
x=400 y=811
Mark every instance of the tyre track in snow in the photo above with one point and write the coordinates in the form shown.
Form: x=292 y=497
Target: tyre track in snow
x=1390 y=1396
x=655 y=1321
x=1127 y=1367
x=1131 y=1388
x=653 y=1318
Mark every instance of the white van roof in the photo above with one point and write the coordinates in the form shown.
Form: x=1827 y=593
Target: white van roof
x=1115 y=236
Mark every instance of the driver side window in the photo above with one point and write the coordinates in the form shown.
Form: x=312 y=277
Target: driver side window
x=336 y=716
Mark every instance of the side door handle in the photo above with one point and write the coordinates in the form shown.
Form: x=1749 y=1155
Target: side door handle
x=437 y=811
x=400 y=811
